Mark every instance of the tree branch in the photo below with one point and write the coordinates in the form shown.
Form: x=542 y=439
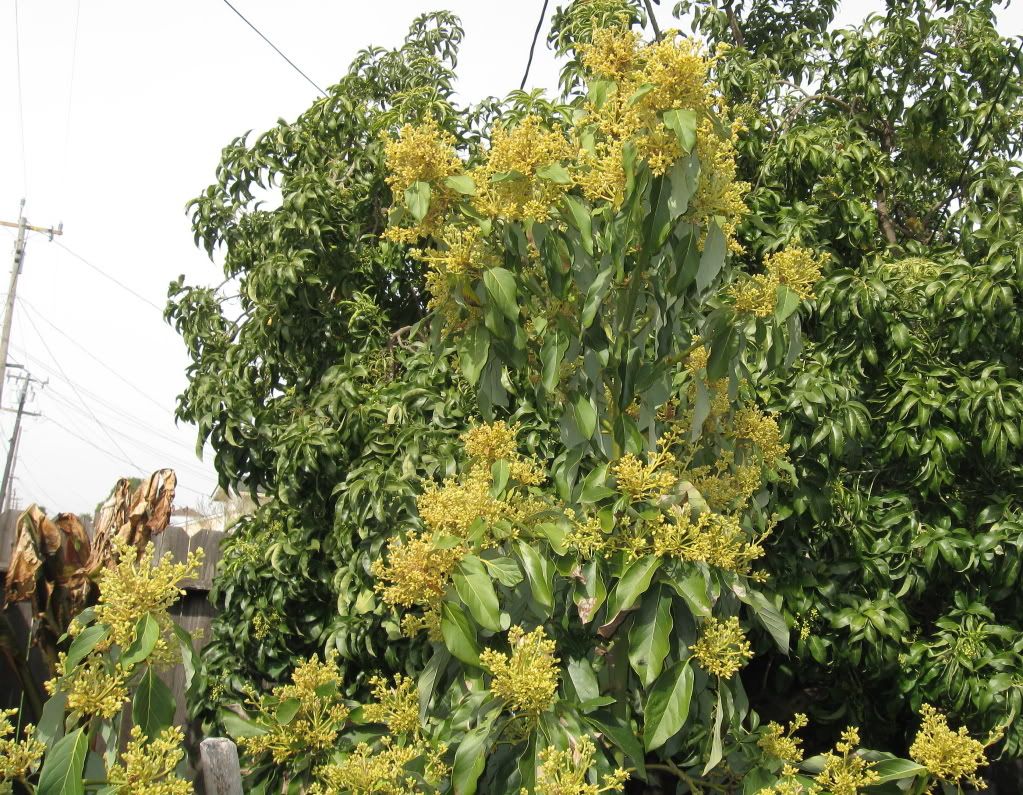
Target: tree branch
x=733 y=23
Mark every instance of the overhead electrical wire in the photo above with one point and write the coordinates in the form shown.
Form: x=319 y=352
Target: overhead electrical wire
x=56 y=361
x=532 y=47
x=21 y=104
x=70 y=98
x=92 y=356
x=107 y=276
x=275 y=48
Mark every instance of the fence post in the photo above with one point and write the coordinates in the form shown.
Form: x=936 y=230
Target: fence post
x=221 y=773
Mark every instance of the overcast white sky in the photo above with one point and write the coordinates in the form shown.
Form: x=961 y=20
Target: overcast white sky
x=119 y=132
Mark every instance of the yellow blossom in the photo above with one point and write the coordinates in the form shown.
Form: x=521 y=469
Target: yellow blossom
x=133 y=587
x=527 y=678
x=643 y=481
x=459 y=260
x=318 y=718
x=950 y=756
x=762 y=431
x=416 y=571
x=845 y=772
x=795 y=267
x=722 y=649
x=423 y=153
x=147 y=767
x=565 y=772
x=381 y=771
x=17 y=757
x=781 y=743
x=507 y=185
x=397 y=707
x=92 y=689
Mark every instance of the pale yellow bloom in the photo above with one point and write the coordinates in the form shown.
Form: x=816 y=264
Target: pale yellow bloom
x=527 y=679
x=397 y=707
x=17 y=757
x=950 y=756
x=147 y=767
x=845 y=772
x=722 y=649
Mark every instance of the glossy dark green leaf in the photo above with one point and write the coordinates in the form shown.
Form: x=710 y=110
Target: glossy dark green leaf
x=61 y=773
x=667 y=705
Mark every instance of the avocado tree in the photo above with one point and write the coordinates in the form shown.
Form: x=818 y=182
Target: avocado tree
x=893 y=146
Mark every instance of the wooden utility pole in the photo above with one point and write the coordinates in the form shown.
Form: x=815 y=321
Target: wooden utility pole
x=12 y=448
x=23 y=226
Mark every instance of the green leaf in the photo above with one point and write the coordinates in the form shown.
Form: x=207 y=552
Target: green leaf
x=767 y=614
x=63 y=765
x=716 y=748
x=500 y=471
x=579 y=215
x=667 y=706
x=712 y=260
x=287 y=710
x=474 y=588
x=896 y=769
x=427 y=680
x=152 y=709
x=585 y=416
x=505 y=570
x=595 y=296
x=555 y=345
x=503 y=291
x=555 y=172
x=51 y=722
x=786 y=302
x=417 y=199
x=683 y=123
x=471 y=758
x=237 y=726
x=540 y=573
x=624 y=737
x=593 y=488
x=691 y=585
x=473 y=353
x=632 y=585
x=84 y=643
x=650 y=636
x=459 y=635
x=147 y=633
x=461 y=183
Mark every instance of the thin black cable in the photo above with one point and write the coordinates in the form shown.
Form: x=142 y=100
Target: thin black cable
x=103 y=450
x=70 y=97
x=92 y=356
x=107 y=276
x=276 y=49
x=74 y=389
x=21 y=107
x=532 y=47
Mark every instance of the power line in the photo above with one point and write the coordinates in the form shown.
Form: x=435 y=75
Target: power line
x=107 y=276
x=91 y=355
x=70 y=96
x=276 y=49
x=106 y=452
x=532 y=47
x=78 y=395
x=21 y=106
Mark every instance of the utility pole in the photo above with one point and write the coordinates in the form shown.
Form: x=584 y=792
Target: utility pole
x=22 y=226
x=12 y=448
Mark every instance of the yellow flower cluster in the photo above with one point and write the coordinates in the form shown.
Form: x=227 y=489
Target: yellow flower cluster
x=460 y=260
x=416 y=573
x=507 y=184
x=722 y=649
x=488 y=443
x=781 y=743
x=761 y=431
x=713 y=538
x=317 y=721
x=565 y=772
x=950 y=756
x=17 y=757
x=845 y=772
x=643 y=481
x=795 y=267
x=397 y=707
x=134 y=587
x=92 y=689
x=147 y=767
x=382 y=771
x=527 y=679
